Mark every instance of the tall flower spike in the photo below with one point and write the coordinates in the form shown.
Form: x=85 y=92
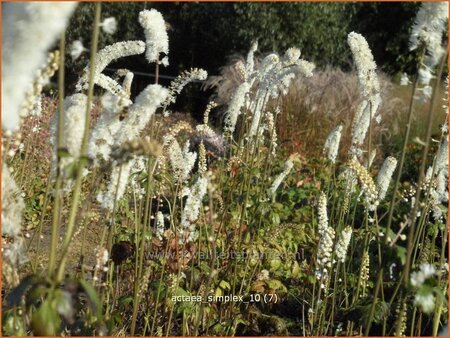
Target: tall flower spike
x=177 y=85
x=367 y=185
x=235 y=106
x=107 y=55
x=322 y=214
x=117 y=186
x=29 y=30
x=365 y=64
x=288 y=165
x=369 y=86
x=342 y=244
x=332 y=143
x=385 y=175
x=156 y=38
x=428 y=29
x=191 y=209
x=12 y=205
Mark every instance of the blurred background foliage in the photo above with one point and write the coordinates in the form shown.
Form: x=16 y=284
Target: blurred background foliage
x=206 y=34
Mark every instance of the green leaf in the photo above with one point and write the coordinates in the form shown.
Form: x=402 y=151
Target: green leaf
x=45 y=320
x=225 y=285
x=93 y=298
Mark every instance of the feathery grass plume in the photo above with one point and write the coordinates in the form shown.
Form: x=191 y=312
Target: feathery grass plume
x=191 y=210
x=117 y=185
x=332 y=143
x=12 y=205
x=367 y=184
x=265 y=79
x=342 y=244
x=104 y=57
x=177 y=85
x=29 y=30
x=274 y=77
x=156 y=38
x=428 y=29
x=385 y=175
x=288 y=165
x=32 y=103
x=322 y=215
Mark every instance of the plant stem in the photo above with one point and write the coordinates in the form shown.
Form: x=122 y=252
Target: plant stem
x=82 y=162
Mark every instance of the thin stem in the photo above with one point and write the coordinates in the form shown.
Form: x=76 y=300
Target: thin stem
x=59 y=136
x=77 y=190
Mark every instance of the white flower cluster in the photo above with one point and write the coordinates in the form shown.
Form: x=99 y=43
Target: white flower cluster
x=191 y=210
x=12 y=210
x=156 y=37
x=439 y=190
x=428 y=29
x=288 y=165
x=332 y=143
x=117 y=186
x=324 y=253
x=419 y=277
x=404 y=80
x=423 y=298
x=177 y=85
x=367 y=185
x=12 y=205
x=385 y=175
x=160 y=228
x=103 y=58
x=326 y=238
x=140 y=112
x=369 y=86
x=322 y=214
x=26 y=24
x=74 y=118
x=365 y=64
x=103 y=135
x=76 y=49
x=109 y=25
x=343 y=243
x=117 y=134
x=235 y=106
x=182 y=161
